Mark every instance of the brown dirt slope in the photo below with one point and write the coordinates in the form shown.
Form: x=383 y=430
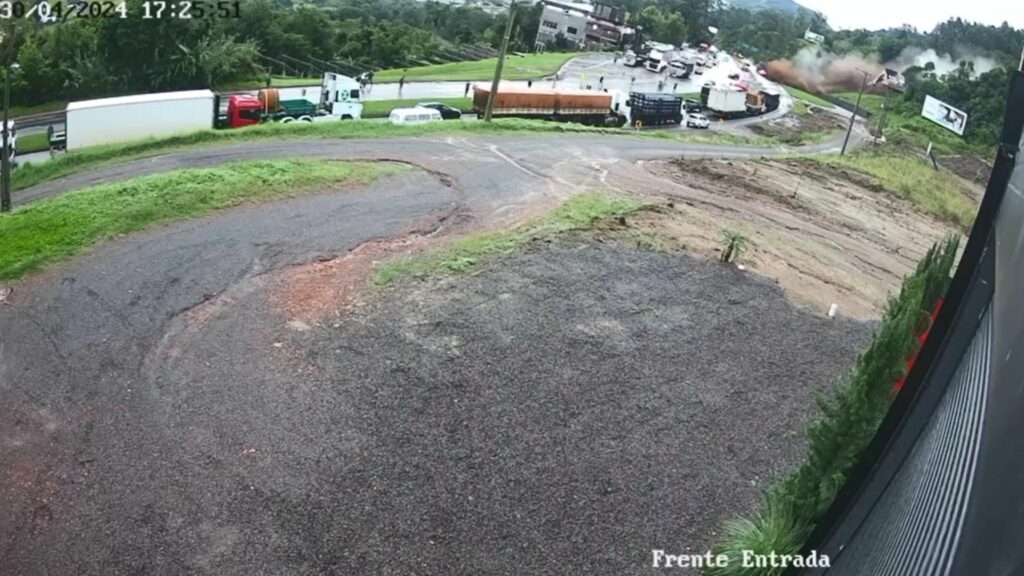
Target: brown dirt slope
x=823 y=235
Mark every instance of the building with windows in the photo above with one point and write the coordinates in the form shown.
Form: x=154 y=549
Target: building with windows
x=581 y=24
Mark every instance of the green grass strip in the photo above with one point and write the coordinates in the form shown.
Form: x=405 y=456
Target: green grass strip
x=33 y=143
x=59 y=227
x=578 y=213
x=381 y=108
x=524 y=67
x=808 y=97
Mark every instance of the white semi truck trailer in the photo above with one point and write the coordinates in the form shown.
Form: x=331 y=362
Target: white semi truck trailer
x=127 y=118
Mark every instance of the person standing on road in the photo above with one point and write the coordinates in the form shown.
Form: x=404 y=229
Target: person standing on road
x=631 y=81
x=401 y=84
x=661 y=85
x=600 y=83
x=529 y=83
x=465 y=93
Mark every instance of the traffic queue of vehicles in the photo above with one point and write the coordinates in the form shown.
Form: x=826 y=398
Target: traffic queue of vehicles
x=127 y=118
x=121 y=119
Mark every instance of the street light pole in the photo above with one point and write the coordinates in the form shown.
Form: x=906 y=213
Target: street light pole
x=5 y=157
x=856 y=108
x=493 y=96
x=5 y=203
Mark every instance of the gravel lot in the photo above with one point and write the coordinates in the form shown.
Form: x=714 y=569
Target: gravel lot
x=562 y=412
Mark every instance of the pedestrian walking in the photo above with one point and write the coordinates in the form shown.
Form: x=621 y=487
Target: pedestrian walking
x=401 y=84
x=465 y=93
x=529 y=83
x=661 y=85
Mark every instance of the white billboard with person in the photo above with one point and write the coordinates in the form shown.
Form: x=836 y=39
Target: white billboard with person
x=944 y=115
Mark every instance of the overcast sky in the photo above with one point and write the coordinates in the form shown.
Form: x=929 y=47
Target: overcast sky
x=873 y=14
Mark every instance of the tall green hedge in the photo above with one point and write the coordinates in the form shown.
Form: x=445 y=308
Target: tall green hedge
x=849 y=419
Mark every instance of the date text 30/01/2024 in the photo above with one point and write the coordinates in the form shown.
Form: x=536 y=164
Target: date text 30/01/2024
x=48 y=11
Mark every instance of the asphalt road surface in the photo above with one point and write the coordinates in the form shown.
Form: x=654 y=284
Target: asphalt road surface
x=121 y=454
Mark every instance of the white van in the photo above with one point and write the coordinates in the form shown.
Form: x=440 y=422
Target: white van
x=414 y=115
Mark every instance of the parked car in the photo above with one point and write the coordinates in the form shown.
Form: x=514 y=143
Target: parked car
x=447 y=112
x=691 y=105
x=697 y=121
x=414 y=115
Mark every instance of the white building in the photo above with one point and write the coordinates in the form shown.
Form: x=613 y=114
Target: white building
x=581 y=23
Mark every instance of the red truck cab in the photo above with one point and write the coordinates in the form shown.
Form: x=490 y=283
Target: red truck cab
x=244 y=110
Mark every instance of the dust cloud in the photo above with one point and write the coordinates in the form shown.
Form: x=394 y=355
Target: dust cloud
x=816 y=69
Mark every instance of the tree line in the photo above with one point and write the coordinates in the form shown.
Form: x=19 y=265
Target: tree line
x=84 y=58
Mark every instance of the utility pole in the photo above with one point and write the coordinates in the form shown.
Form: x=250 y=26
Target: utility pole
x=5 y=156
x=493 y=96
x=856 y=108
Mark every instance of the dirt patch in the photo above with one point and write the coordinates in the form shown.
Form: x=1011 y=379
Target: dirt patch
x=824 y=235
x=970 y=168
x=800 y=129
x=586 y=401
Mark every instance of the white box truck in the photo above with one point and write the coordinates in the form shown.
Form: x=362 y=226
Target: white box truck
x=727 y=102
x=127 y=118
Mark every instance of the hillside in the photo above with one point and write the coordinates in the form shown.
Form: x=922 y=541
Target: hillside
x=787 y=6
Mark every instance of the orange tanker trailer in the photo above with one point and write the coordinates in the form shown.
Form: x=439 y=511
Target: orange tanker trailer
x=590 y=107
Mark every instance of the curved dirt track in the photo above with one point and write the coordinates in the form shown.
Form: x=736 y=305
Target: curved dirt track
x=101 y=471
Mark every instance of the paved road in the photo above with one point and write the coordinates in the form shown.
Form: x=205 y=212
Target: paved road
x=100 y=472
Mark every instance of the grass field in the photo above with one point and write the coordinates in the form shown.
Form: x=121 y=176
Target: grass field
x=275 y=82
x=381 y=108
x=59 y=227
x=937 y=192
x=577 y=213
x=18 y=111
x=808 y=97
x=33 y=143
x=30 y=174
x=526 y=67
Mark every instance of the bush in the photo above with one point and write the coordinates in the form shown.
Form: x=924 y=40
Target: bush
x=792 y=508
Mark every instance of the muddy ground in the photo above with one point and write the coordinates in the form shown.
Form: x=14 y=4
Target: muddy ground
x=800 y=129
x=824 y=235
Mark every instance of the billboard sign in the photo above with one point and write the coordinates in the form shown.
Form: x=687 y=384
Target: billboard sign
x=944 y=115
x=813 y=38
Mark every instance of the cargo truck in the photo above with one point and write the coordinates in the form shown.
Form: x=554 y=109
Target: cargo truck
x=128 y=118
x=725 y=101
x=656 y=61
x=590 y=107
x=762 y=102
x=653 y=109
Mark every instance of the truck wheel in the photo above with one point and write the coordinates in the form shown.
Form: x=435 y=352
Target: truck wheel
x=287 y=120
x=306 y=119
x=346 y=117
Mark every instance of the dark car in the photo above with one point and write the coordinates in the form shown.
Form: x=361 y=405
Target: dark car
x=691 y=105
x=447 y=112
